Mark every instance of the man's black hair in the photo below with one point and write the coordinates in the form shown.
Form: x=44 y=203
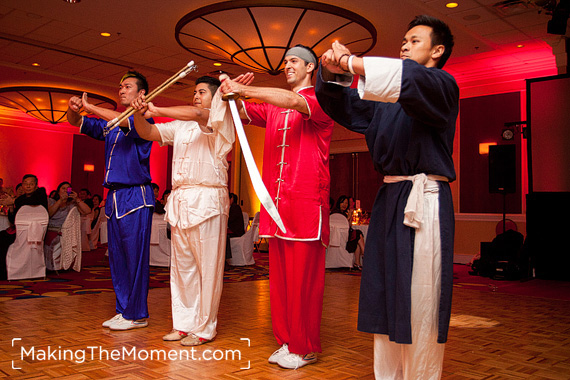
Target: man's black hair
x=213 y=83
x=440 y=35
x=142 y=84
x=30 y=176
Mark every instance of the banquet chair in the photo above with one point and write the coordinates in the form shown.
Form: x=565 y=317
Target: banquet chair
x=159 y=242
x=67 y=251
x=337 y=256
x=245 y=220
x=103 y=237
x=25 y=257
x=86 y=231
x=96 y=231
x=242 y=247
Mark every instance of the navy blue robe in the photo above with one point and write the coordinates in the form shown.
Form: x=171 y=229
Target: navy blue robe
x=411 y=136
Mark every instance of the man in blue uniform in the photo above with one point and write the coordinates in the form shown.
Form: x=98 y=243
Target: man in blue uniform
x=130 y=201
x=407 y=109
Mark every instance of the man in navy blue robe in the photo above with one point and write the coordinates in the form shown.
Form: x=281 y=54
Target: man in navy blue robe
x=130 y=201
x=407 y=109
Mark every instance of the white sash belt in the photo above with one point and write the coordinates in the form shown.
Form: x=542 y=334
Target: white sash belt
x=414 y=211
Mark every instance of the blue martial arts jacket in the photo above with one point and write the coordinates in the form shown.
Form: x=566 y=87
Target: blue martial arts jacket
x=127 y=169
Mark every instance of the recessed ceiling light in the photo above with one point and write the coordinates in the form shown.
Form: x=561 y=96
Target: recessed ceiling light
x=218 y=64
x=105 y=34
x=520 y=46
x=452 y=5
x=35 y=64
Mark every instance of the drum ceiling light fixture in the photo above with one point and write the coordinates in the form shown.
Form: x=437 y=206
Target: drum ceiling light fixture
x=256 y=34
x=47 y=103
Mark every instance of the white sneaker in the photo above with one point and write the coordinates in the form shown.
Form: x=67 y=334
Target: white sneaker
x=294 y=361
x=278 y=354
x=126 y=324
x=108 y=322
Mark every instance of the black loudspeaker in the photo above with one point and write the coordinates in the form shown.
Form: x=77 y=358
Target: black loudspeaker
x=502 y=168
x=547 y=233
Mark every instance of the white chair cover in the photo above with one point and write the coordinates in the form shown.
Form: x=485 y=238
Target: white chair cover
x=95 y=231
x=25 y=257
x=242 y=247
x=71 y=241
x=86 y=231
x=337 y=256
x=67 y=251
x=159 y=242
x=245 y=220
x=103 y=229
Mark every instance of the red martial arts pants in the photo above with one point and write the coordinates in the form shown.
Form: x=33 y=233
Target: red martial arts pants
x=296 y=283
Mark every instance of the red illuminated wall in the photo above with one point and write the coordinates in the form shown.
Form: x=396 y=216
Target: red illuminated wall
x=25 y=149
x=88 y=151
x=550 y=126
x=482 y=120
x=58 y=153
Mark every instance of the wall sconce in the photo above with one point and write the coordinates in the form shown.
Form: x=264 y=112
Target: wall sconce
x=88 y=168
x=484 y=147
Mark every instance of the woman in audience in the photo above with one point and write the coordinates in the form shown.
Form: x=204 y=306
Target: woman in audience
x=58 y=208
x=165 y=196
x=96 y=209
x=355 y=242
x=19 y=189
x=31 y=195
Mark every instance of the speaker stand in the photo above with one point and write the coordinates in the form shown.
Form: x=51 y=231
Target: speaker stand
x=504 y=192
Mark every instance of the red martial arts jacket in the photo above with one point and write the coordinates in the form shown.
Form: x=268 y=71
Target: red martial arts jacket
x=295 y=168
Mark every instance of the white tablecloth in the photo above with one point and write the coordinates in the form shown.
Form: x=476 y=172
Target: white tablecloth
x=361 y=227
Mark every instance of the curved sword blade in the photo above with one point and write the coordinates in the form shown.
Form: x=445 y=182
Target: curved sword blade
x=256 y=180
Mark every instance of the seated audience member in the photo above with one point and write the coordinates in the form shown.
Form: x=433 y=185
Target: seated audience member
x=158 y=205
x=52 y=194
x=84 y=194
x=165 y=196
x=236 y=227
x=355 y=242
x=19 y=190
x=58 y=209
x=4 y=190
x=96 y=209
x=32 y=195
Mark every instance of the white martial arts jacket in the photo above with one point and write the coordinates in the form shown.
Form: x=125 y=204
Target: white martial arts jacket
x=199 y=168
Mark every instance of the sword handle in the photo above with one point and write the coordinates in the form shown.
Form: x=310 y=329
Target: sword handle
x=229 y=95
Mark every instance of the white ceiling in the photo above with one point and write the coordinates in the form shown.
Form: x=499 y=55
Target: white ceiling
x=65 y=40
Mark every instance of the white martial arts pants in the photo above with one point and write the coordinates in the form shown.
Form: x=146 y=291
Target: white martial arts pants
x=423 y=359
x=197 y=275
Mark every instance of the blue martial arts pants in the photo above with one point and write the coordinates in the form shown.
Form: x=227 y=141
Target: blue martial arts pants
x=129 y=247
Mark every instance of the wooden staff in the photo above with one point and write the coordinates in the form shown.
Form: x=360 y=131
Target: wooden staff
x=169 y=82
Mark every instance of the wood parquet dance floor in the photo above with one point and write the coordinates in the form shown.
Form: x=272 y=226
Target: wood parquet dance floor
x=493 y=336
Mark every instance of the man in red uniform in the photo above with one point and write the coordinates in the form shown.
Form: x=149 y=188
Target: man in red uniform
x=296 y=174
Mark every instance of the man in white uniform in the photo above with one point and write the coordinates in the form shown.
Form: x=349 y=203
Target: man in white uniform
x=197 y=208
